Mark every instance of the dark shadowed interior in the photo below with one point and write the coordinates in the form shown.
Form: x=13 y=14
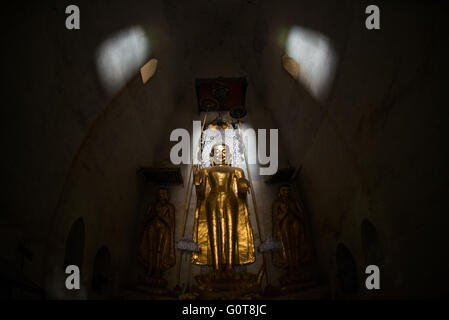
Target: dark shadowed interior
x=363 y=128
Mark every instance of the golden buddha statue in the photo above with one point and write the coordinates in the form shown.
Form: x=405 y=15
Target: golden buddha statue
x=222 y=227
x=289 y=228
x=157 y=251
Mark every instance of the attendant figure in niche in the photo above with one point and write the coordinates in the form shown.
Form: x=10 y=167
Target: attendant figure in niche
x=289 y=228
x=157 y=250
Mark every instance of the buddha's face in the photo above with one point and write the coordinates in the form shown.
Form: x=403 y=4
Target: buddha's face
x=283 y=192
x=162 y=195
x=219 y=154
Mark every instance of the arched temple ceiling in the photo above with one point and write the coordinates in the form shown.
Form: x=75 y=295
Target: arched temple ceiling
x=61 y=93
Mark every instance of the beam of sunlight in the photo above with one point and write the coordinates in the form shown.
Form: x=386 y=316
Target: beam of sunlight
x=316 y=57
x=291 y=66
x=120 y=56
x=148 y=70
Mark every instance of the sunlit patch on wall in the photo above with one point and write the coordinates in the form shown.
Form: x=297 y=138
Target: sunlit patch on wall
x=120 y=57
x=315 y=57
x=148 y=70
x=291 y=66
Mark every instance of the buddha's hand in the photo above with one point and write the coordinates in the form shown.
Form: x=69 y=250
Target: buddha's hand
x=199 y=182
x=242 y=187
x=197 y=176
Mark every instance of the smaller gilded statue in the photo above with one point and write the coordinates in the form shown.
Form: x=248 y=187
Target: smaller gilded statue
x=289 y=228
x=157 y=250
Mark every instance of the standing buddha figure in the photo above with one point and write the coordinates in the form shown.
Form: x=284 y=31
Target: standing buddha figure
x=222 y=226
